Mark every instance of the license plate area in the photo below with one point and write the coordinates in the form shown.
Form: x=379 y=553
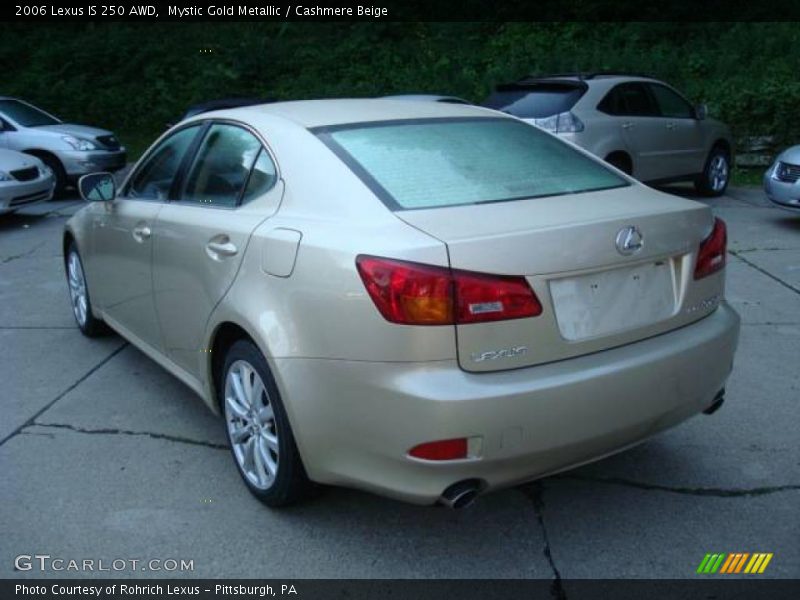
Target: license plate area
x=615 y=300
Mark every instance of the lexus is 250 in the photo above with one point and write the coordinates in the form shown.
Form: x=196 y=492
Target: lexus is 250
x=424 y=300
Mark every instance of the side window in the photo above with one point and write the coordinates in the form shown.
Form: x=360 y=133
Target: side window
x=154 y=178
x=671 y=104
x=222 y=166
x=611 y=104
x=262 y=177
x=629 y=99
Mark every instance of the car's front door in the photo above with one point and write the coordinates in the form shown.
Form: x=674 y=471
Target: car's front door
x=684 y=139
x=123 y=233
x=229 y=188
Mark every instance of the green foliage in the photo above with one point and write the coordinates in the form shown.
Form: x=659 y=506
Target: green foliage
x=135 y=78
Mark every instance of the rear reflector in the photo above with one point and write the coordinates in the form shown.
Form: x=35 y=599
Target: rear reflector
x=418 y=294
x=441 y=450
x=711 y=255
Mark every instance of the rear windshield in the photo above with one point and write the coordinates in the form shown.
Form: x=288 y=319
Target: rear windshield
x=535 y=101
x=447 y=162
x=25 y=114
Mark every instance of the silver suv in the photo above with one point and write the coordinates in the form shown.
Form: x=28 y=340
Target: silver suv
x=640 y=125
x=69 y=150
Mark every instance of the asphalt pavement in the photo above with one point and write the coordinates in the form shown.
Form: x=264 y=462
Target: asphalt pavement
x=103 y=455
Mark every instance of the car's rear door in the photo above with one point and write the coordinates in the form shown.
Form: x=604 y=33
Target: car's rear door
x=633 y=108
x=122 y=238
x=684 y=132
x=228 y=187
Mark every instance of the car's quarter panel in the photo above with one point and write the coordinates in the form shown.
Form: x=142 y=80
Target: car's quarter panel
x=119 y=268
x=322 y=308
x=573 y=237
x=359 y=419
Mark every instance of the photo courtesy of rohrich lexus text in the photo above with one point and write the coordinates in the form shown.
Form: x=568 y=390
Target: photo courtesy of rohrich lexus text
x=403 y=299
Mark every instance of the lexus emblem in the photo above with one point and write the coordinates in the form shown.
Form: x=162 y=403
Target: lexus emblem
x=629 y=240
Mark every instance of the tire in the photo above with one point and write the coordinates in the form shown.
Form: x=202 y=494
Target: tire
x=89 y=325
x=716 y=173
x=58 y=172
x=260 y=437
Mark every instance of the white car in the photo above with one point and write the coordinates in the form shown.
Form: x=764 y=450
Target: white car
x=24 y=180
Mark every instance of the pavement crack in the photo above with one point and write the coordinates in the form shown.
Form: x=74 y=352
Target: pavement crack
x=150 y=434
x=8 y=259
x=749 y=263
x=535 y=493
x=687 y=491
x=75 y=384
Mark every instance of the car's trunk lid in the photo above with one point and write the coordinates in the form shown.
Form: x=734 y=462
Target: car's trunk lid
x=594 y=297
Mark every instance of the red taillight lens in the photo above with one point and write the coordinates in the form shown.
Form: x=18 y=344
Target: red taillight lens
x=481 y=298
x=408 y=293
x=441 y=450
x=711 y=256
x=417 y=294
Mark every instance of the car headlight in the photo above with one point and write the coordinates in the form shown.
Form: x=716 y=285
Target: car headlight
x=777 y=171
x=5 y=176
x=79 y=143
x=44 y=171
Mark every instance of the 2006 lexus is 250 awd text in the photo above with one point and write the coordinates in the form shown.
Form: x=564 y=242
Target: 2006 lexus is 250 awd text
x=424 y=300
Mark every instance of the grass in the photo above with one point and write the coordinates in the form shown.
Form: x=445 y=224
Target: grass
x=747 y=177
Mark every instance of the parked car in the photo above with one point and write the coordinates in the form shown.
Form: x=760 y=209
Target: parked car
x=782 y=180
x=219 y=104
x=24 y=180
x=69 y=150
x=429 y=98
x=423 y=300
x=641 y=125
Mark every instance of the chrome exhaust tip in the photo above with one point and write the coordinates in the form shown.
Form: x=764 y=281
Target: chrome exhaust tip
x=461 y=494
x=719 y=399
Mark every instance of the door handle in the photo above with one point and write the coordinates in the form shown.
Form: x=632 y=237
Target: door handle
x=627 y=125
x=141 y=233
x=221 y=247
x=670 y=126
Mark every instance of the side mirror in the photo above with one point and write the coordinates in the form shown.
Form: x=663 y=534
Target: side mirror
x=97 y=187
x=700 y=112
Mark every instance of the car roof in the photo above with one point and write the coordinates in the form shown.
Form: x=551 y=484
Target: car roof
x=322 y=113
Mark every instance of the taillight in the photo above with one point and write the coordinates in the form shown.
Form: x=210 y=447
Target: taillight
x=441 y=450
x=417 y=294
x=711 y=256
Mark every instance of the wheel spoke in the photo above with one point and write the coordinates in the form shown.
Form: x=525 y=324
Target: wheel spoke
x=238 y=389
x=265 y=414
x=239 y=432
x=259 y=461
x=237 y=409
x=246 y=374
x=271 y=440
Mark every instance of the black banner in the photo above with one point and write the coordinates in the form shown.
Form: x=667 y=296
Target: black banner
x=720 y=588
x=31 y=11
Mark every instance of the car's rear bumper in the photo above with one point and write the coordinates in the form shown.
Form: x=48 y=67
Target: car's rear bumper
x=355 y=421
x=77 y=163
x=18 y=194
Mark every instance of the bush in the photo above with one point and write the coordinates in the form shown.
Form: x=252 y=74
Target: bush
x=134 y=78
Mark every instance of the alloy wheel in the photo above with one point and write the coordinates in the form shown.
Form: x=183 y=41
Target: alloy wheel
x=77 y=288
x=252 y=429
x=718 y=173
